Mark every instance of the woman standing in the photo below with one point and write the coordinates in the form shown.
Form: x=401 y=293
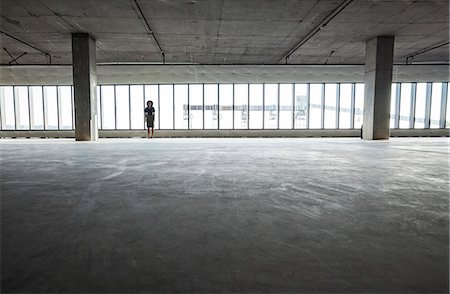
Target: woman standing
x=150 y=117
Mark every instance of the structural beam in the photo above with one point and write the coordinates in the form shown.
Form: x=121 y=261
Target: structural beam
x=85 y=86
x=378 y=81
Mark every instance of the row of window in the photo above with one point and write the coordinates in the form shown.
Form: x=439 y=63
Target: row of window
x=224 y=106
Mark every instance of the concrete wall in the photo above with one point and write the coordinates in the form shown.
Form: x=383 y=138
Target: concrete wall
x=149 y=74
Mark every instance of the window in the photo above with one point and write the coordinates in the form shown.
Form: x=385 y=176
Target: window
x=7 y=108
x=393 y=114
x=195 y=106
x=137 y=106
x=331 y=91
x=73 y=107
x=286 y=106
x=359 y=105
x=166 y=108
x=22 y=114
x=99 y=112
x=151 y=93
x=256 y=106
x=225 y=106
x=180 y=100
x=240 y=106
x=345 y=106
x=270 y=106
x=421 y=94
x=447 y=120
x=301 y=104
x=36 y=107
x=435 y=115
x=122 y=107
x=315 y=106
x=50 y=108
x=211 y=106
x=108 y=108
x=405 y=105
x=65 y=107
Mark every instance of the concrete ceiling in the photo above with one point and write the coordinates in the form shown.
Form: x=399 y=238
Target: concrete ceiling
x=223 y=31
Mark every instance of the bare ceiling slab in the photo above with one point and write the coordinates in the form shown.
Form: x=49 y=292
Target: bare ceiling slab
x=224 y=31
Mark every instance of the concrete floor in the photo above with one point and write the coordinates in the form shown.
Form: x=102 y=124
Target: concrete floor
x=225 y=215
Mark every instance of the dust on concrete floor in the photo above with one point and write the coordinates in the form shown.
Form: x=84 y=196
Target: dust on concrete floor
x=225 y=215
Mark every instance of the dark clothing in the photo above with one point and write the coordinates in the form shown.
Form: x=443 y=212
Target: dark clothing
x=150 y=116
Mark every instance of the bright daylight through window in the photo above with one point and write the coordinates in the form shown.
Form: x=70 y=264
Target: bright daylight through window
x=224 y=106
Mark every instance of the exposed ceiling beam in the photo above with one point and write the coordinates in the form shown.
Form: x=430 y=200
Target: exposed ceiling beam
x=322 y=24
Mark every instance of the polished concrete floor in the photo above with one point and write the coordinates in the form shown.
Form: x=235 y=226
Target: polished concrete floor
x=225 y=215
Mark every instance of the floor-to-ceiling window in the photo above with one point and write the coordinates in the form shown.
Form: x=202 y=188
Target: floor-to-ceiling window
x=21 y=107
x=394 y=103
x=196 y=107
x=65 y=107
x=286 y=118
x=137 y=106
x=447 y=117
x=301 y=106
x=37 y=107
x=270 y=106
x=316 y=106
x=181 y=96
x=224 y=106
x=7 y=108
x=211 y=106
x=51 y=107
x=240 y=106
x=359 y=106
x=405 y=105
x=166 y=110
x=331 y=106
x=256 y=106
x=421 y=105
x=345 y=106
x=122 y=107
x=108 y=107
x=435 y=113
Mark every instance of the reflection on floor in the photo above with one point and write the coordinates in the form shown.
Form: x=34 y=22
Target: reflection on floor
x=225 y=215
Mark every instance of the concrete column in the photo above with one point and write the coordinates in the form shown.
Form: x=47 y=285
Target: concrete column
x=378 y=81
x=84 y=86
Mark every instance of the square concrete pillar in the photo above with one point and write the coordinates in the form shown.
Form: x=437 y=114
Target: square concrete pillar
x=85 y=86
x=378 y=82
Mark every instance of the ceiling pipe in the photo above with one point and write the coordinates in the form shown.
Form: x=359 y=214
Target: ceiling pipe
x=139 y=10
x=49 y=57
x=10 y=55
x=322 y=24
x=17 y=58
x=329 y=56
x=14 y=59
x=411 y=56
